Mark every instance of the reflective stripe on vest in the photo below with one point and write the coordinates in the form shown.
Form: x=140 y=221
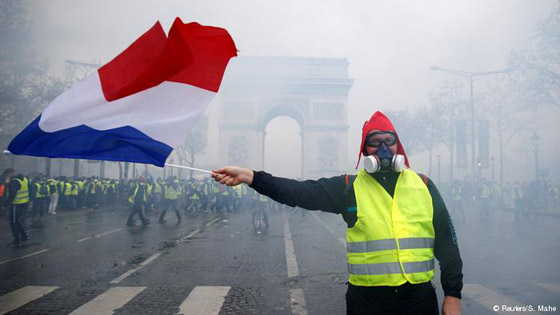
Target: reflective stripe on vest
x=392 y=241
x=22 y=195
x=391 y=268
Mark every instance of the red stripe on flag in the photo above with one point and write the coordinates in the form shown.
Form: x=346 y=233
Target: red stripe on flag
x=211 y=49
x=193 y=54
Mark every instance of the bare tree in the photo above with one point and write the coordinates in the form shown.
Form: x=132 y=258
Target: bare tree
x=452 y=106
x=536 y=69
x=506 y=118
x=194 y=144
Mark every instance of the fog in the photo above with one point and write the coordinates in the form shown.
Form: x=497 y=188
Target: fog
x=390 y=47
x=309 y=73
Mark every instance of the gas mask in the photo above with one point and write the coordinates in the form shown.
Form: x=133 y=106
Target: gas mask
x=383 y=160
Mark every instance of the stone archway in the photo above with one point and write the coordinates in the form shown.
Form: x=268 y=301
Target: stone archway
x=312 y=91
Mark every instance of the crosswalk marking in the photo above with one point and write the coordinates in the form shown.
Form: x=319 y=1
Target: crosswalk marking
x=552 y=287
x=489 y=298
x=20 y=297
x=109 y=301
x=204 y=300
x=25 y=256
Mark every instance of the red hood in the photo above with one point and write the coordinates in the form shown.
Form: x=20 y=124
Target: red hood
x=379 y=121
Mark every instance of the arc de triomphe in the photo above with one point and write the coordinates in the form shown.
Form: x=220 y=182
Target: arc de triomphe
x=312 y=91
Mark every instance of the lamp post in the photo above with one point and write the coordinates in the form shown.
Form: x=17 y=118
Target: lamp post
x=492 y=160
x=470 y=76
x=439 y=168
x=535 y=138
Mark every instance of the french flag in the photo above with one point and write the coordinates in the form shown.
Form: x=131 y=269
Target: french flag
x=140 y=105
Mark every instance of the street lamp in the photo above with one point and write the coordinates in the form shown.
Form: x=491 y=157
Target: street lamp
x=470 y=76
x=492 y=161
x=439 y=168
x=535 y=138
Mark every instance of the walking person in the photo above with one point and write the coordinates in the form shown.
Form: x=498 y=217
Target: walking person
x=138 y=198
x=171 y=193
x=18 y=201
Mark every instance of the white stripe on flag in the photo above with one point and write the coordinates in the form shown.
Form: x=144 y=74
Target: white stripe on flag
x=20 y=297
x=204 y=300
x=177 y=106
x=109 y=301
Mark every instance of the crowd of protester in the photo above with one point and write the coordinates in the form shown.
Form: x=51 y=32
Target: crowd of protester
x=47 y=196
x=526 y=199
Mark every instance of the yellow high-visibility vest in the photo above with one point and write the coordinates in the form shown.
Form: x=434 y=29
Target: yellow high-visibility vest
x=68 y=189
x=22 y=195
x=392 y=241
x=38 y=190
x=133 y=196
x=75 y=189
x=170 y=193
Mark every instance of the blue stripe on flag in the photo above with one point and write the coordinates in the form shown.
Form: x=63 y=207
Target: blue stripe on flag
x=82 y=142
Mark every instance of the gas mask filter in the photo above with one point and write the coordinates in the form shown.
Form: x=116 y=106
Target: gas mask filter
x=383 y=160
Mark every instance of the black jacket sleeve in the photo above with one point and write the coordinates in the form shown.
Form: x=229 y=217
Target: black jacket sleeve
x=13 y=188
x=323 y=194
x=446 y=248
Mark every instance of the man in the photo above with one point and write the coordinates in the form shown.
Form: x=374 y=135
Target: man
x=397 y=222
x=53 y=189
x=41 y=195
x=18 y=201
x=138 y=198
x=171 y=193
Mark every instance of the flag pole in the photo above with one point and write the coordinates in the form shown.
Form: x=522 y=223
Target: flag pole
x=189 y=168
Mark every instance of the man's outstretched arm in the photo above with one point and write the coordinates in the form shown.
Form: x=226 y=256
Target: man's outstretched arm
x=326 y=194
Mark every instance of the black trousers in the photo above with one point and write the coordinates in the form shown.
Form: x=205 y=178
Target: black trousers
x=17 y=222
x=417 y=299
x=139 y=210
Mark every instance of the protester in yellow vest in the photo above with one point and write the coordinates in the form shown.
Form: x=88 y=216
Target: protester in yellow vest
x=397 y=224
x=171 y=193
x=18 y=201
x=138 y=197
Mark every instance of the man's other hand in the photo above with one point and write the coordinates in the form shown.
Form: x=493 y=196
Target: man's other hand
x=451 y=306
x=233 y=175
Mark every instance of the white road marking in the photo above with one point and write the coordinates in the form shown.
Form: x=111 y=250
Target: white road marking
x=109 y=301
x=25 y=256
x=204 y=300
x=20 y=297
x=291 y=260
x=156 y=255
x=490 y=299
x=552 y=287
x=297 y=302
x=133 y=270
x=330 y=229
x=98 y=235
x=193 y=233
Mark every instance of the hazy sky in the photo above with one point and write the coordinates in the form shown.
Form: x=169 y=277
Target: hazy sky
x=390 y=45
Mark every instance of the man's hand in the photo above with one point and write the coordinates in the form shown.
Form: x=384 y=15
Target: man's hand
x=233 y=175
x=451 y=306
